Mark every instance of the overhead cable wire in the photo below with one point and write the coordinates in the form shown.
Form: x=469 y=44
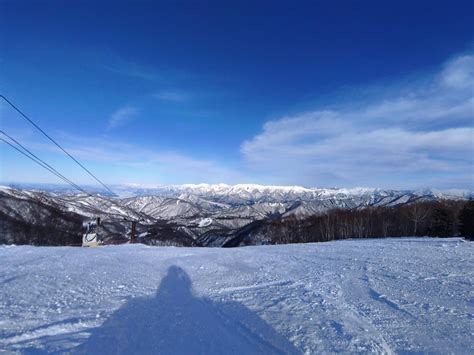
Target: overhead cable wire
x=27 y=153
x=33 y=159
x=42 y=162
x=55 y=143
x=30 y=155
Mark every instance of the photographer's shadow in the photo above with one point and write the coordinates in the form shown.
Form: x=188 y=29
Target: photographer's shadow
x=174 y=321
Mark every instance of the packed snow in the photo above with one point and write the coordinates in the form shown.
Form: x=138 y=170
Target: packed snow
x=205 y=222
x=384 y=295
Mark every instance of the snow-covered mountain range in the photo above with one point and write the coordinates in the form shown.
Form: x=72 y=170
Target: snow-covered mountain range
x=255 y=192
x=200 y=214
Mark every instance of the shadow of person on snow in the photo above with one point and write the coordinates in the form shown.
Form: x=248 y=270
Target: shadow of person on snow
x=174 y=321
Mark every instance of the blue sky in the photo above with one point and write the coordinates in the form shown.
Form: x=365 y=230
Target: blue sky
x=320 y=93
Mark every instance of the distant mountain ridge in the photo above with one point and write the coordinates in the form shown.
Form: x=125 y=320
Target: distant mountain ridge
x=202 y=214
x=249 y=190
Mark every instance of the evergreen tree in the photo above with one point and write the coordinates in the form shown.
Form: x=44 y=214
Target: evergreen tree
x=466 y=220
x=442 y=224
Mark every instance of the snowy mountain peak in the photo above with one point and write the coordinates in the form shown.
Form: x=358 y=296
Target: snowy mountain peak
x=247 y=192
x=225 y=189
x=257 y=191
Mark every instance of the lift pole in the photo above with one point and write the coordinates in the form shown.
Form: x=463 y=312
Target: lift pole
x=133 y=237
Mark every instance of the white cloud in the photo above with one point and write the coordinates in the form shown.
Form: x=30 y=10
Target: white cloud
x=172 y=96
x=143 y=165
x=459 y=73
x=118 y=65
x=122 y=116
x=420 y=132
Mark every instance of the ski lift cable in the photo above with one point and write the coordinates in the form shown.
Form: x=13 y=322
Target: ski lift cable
x=27 y=153
x=40 y=161
x=40 y=164
x=55 y=143
x=48 y=167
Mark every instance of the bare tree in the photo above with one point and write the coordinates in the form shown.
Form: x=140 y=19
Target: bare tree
x=417 y=213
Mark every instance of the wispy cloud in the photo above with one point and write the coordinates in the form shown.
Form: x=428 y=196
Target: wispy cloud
x=172 y=96
x=420 y=132
x=143 y=165
x=131 y=69
x=127 y=67
x=122 y=116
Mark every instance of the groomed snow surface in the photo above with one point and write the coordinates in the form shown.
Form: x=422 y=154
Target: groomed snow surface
x=384 y=296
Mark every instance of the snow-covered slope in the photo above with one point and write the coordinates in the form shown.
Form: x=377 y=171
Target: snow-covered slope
x=80 y=203
x=266 y=193
x=364 y=296
x=258 y=201
x=248 y=192
x=180 y=208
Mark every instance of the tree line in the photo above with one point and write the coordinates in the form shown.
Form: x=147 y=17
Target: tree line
x=425 y=218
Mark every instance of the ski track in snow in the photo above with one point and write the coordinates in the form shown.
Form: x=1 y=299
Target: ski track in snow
x=383 y=296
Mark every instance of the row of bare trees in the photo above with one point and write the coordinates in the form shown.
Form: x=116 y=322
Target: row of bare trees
x=427 y=218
